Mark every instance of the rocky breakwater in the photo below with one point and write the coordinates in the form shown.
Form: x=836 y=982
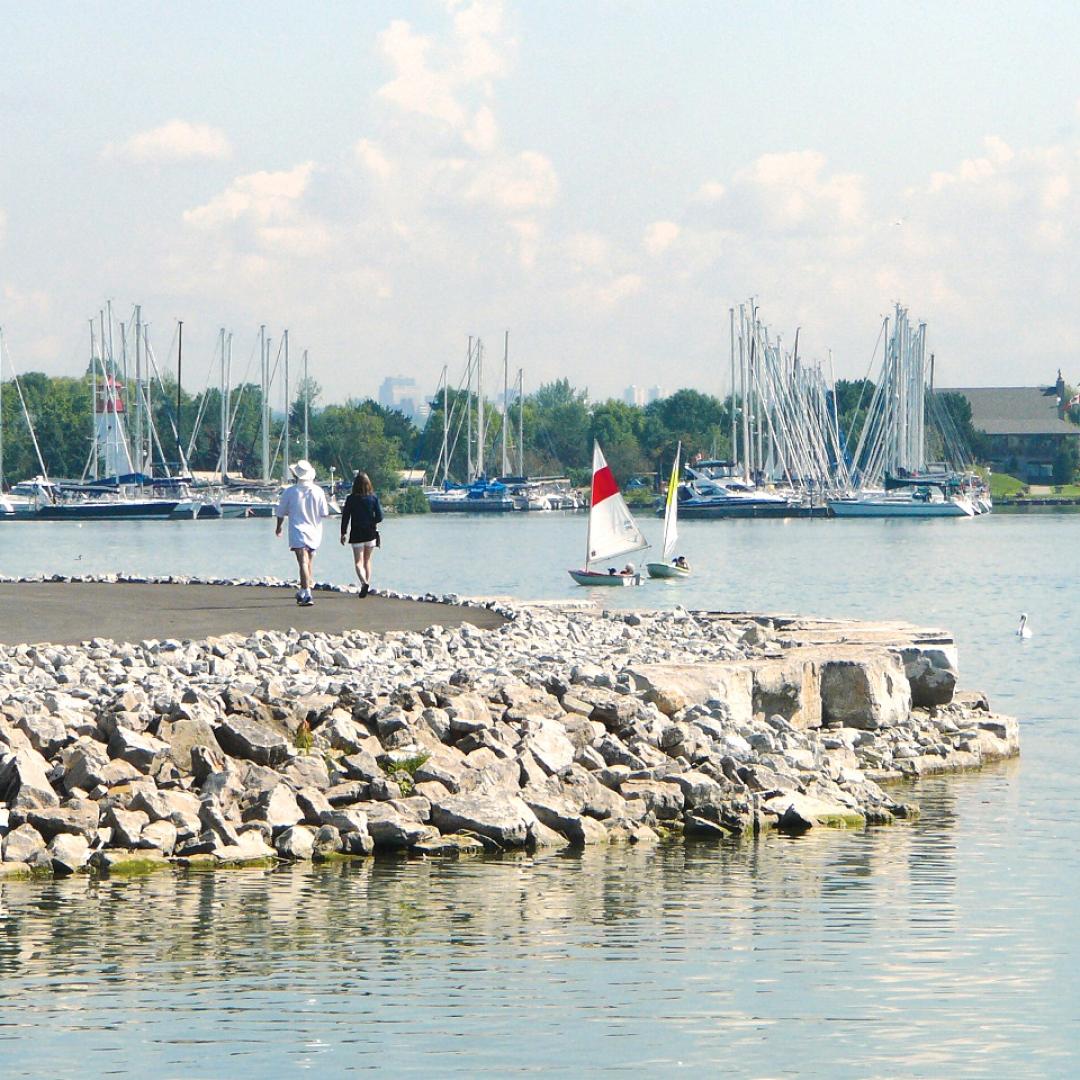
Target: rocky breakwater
x=557 y=728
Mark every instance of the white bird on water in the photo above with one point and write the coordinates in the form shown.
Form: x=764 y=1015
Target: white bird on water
x=1023 y=630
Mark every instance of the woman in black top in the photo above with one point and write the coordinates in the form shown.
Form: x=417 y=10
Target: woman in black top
x=363 y=512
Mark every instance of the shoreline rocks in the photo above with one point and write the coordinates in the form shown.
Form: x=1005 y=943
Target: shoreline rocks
x=558 y=728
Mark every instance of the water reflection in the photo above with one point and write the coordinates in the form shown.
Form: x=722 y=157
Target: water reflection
x=943 y=947
x=854 y=948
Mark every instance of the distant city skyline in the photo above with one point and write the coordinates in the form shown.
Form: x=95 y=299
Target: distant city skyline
x=604 y=179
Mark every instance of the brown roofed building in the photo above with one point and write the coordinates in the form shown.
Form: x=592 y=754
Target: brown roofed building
x=1025 y=427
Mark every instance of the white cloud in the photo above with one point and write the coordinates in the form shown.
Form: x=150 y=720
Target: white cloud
x=525 y=181
x=483 y=133
x=794 y=192
x=176 y=140
x=659 y=236
x=710 y=191
x=263 y=196
x=374 y=159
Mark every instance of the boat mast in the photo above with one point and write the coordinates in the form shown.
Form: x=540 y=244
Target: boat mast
x=479 y=407
x=179 y=382
x=468 y=413
x=1 y=411
x=264 y=404
x=93 y=407
x=139 y=455
x=285 y=454
x=506 y=393
x=592 y=485
x=224 y=461
x=734 y=449
x=521 y=420
x=743 y=397
x=307 y=404
x=445 y=424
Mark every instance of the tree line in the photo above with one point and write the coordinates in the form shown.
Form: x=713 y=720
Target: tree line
x=558 y=424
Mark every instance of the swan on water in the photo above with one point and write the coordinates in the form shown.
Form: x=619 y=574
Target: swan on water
x=1023 y=630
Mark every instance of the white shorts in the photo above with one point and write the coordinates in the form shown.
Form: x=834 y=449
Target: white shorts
x=365 y=544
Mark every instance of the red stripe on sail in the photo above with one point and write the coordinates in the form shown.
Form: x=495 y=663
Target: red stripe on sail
x=603 y=485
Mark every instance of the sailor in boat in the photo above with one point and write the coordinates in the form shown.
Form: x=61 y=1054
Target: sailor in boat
x=627 y=571
x=680 y=562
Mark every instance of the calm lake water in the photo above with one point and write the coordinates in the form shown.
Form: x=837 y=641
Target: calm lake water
x=940 y=948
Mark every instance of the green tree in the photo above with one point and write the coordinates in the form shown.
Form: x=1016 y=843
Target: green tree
x=351 y=437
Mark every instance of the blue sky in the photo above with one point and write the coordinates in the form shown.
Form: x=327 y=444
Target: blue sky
x=602 y=179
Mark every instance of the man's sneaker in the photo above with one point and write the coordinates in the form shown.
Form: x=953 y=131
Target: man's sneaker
x=306 y=602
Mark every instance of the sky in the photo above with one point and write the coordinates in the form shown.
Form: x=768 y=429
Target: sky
x=604 y=180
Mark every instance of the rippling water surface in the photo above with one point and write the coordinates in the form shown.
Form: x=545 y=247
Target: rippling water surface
x=943 y=947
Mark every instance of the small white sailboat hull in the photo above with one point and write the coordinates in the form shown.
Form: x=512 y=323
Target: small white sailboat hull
x=595 y=577
x=612 y=529
x=667 y=570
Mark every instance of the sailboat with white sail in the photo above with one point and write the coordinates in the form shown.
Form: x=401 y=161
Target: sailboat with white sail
x=612 y=533
x=671 y=567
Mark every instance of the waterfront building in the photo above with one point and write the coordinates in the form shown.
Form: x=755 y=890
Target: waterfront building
x=1025 y=426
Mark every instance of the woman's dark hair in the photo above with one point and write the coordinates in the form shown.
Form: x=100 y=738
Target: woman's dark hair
x=362 y=484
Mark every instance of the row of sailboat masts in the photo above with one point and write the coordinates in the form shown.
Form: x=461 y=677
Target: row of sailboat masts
x=783 y=415
x=893 y=437
x=125 y=437
x=476 y=435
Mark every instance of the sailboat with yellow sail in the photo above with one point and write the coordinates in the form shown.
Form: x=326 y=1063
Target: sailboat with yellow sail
x=673 y=566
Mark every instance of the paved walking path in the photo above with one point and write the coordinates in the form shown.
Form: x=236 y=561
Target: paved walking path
x=65 y=613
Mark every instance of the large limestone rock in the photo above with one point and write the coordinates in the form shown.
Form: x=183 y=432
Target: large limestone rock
x=277 y=807
x=248 y=739
x=297 y=843
x=79 y=817
x=183 y=735
x=136 y=748
x=504 y=820
x=84 y=764
x=867 y=691
x=69 y=853
x=789 y=687
x=673 y=687
x=549 y=744
x=24 y=780
x=22 y=844
x=931 y=673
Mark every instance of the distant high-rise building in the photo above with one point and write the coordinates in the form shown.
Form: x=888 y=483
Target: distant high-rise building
x=402 y=393
x=656 y=393
x=634 y=395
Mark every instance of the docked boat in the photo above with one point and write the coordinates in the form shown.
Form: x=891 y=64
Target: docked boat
x=483 y=496
x=612 y=531
x=920 y=502
x=671 y=567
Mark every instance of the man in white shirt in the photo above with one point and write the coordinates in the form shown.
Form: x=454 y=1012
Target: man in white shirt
x=304 y=504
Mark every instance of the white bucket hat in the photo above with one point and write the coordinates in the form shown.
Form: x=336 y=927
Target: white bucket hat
x=303 y=470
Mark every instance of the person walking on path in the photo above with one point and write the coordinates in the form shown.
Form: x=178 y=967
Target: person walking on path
x=304 y=504
x=363 y=512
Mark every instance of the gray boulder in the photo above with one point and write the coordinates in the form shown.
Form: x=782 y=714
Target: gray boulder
x=24 y=780
x=47 y=734
x=79 y=817
x=84 y=763
x=296 y=843
x=549 y=744
x=138 y=749
x=183 y=735
x=68 y=853
x=160 y=836
x=22 y=844
x=278 y=808
x=868 y=691
x=252 y=741
x=127 y=825
x=504 y=820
